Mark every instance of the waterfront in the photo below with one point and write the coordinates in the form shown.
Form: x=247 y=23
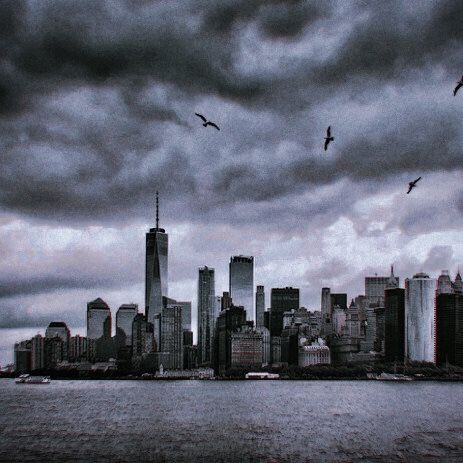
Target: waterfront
x=269 y=421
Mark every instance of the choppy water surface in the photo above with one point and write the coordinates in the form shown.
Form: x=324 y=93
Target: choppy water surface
x=218 y=421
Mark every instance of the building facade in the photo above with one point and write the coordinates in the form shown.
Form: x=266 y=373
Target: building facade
x=394 y=327
x=420 y=318
x=206 y=309
x=241 y=283
x=156 y=269
x=260 y=306
x=281 y=300
x=124 y=320
x=172 y=336
x=98 y=319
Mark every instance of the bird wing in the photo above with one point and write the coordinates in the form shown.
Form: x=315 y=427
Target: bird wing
x=410 y=188
x=327 y=140
x=415 y=181
x=202 y=117
x=213 y=125
x=457 y=88
x=328 y=131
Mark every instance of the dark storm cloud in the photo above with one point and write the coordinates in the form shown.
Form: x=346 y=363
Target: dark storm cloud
x=277 y=18
x=195 y=53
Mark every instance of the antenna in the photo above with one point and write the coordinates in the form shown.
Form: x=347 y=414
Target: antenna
x=157 y=210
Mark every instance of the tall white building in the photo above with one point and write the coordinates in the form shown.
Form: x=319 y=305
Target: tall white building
x=156 y=269
x=420 y=293
x=241 y=283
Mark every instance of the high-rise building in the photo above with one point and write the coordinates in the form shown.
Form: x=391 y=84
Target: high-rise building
x=229 y=321
x=53 y=352
x=206 y=308
x=419 y=318
x=172 y=336
x=61 y=330
x=226 y=301
x=375 y=287
x=156 y=269
x=246 y=348
x=444 y=283
x=98 y=319
x=241 y=288
x=326 y=311
x=458 y=284
x=339 y=299
x=142 y=336
x=448 y=307
x=78 y=348
x=394 y=328
x=37 y=352
x=22 y=357
x=186 y=313
x=281 y=300
x=124 y=320
x=260 y=306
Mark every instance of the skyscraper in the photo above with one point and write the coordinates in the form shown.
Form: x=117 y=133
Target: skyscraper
x=172 y=335
x=281 y=300
x=419 y=318
x=186 y=314
x=156 y=268
x=124 y=319
x=260 y=306
x=394 y=327
x=206 y=306
x=37 y=352
x=326 y=311
x=61 y=330
x=98 y=319
x=241 y=287
x=449 y=309
x=375 y=287
x=142 y=336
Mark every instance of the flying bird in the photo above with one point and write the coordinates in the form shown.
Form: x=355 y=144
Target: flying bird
x=412 y=185
x=328 y=137
x=206 y=122
x=459 y=85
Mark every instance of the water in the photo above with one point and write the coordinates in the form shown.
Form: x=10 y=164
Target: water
x=218 y=421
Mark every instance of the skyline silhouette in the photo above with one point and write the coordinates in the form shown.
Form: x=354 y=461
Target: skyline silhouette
x=97 y=112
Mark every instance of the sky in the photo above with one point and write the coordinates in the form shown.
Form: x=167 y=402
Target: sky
x=97 y=103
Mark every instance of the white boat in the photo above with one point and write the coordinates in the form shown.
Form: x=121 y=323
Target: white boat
x=28 y=379
x=393 y=377
x=262 y=375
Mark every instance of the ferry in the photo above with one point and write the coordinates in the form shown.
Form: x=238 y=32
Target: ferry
x=28 y=379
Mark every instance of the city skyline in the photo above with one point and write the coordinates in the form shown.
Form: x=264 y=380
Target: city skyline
x=97 y=113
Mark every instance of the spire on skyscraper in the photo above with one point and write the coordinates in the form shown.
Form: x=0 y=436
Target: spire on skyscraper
x=157 y=210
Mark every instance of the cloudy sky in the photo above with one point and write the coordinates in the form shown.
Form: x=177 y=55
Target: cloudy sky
x=97 y=103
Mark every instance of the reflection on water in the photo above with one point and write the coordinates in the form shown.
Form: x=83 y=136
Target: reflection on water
x=221 y=421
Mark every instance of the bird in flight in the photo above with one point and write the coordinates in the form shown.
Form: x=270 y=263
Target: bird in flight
x=328 y=137
x=206 y=122
x=459 y=84
x=412 y=185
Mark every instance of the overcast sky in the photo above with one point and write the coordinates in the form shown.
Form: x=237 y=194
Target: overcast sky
x=97 y=103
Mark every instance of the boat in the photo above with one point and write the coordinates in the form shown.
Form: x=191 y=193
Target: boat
x=28 y=379
x=393 y=377
x=262 y=375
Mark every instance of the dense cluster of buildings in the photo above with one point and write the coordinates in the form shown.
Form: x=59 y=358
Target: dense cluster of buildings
x=236 y=330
